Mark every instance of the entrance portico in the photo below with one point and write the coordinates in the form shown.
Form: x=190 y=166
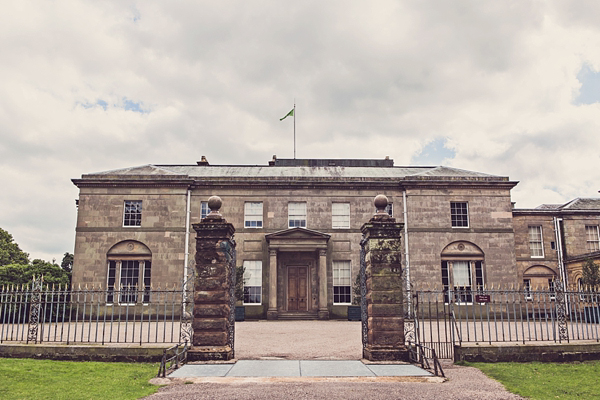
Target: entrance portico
x=298 y=272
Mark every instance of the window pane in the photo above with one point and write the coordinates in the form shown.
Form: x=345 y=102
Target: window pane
x=252 y=282
x=340 y=215
x=459 y=214
x=535 y=241
x=593 y=241
x=132 y=215
x=342 y=282
x=297 y=215
x=204 y=210
x=253 y=214
x=462 y=273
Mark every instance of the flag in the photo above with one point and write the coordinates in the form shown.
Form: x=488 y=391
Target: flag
x=290 y=114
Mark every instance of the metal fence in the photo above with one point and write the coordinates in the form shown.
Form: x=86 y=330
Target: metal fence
x=446 y=318
x=37 y=314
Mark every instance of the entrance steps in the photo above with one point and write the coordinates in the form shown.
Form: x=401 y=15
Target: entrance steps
x=298 y=316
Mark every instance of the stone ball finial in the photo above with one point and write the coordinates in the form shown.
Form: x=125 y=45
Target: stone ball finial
x=215 y=203
x=381 y=202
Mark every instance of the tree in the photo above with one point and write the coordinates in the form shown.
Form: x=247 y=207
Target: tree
x=67 y=262
x=591 y=273
x=10 y=253
x=22 y=274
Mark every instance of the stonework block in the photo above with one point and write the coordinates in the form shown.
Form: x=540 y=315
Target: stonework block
x=211 y=310
x=210 y=324
x=209 y=338
x=212 y=296
x=385 y=338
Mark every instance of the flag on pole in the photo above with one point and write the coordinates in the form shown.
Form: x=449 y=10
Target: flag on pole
x=290 y=114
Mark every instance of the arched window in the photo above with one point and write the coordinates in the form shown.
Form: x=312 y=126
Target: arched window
x=129 y=272
x=462 y=271
x=539 y=277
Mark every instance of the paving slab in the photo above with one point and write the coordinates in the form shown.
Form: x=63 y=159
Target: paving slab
x=334 y=368
x=299 y=368
x=201 y=370
x=265 y=368
x=397 y=370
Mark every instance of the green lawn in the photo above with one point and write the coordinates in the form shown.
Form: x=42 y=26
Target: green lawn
x=546 y=380
x=46 y=379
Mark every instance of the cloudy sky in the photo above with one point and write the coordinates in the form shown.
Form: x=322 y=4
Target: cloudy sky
x=505 y=87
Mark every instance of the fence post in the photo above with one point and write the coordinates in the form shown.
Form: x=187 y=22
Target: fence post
x=384 y=296
x=215 y=250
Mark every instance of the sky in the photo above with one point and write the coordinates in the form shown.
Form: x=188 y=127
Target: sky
x=509 y=88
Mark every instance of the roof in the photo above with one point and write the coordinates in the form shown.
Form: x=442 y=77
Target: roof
x=246 y=171
x=577 y=205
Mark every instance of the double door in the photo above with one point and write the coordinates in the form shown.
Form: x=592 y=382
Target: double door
x=297 y=289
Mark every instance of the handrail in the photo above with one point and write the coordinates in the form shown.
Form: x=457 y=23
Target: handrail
x=179 y=358
x=420 y=357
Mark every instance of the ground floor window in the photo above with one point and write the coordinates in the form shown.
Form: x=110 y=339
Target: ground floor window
x=128 y=279
x=252 y=282
x=527 y=289
x=460 y=279
x=342 y=292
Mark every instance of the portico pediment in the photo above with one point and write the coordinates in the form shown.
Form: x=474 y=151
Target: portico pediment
x=297 y=239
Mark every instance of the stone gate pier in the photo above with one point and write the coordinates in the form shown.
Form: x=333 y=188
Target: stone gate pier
x=213 y=316
x=382 y=245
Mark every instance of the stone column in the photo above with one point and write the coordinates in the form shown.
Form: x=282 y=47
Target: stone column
x=385 y=313
x=323 y=310
x=272 y=310
x=213 y=327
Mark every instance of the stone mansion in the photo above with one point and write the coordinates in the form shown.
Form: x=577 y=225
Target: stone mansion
x=298 y=229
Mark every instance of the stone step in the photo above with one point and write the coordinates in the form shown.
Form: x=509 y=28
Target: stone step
x=298 y=316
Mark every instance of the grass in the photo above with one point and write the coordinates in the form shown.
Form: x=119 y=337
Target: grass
x=46 y=379
x=546 y=380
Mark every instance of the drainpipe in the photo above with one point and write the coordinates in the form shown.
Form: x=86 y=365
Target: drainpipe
x=559 y=251
x=187 y=244
x=406 y=257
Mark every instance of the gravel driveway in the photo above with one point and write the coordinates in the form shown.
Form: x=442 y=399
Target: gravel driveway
x=325 y=340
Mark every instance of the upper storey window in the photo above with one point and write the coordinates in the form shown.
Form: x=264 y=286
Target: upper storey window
x=297 y=215
x=536 y=244
x=593 y=240
x=340 y=215
x=459 y=212
x=204 y=210
x=132 y=215
x=253 y=214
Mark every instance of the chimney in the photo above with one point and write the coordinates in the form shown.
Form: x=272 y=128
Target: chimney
x=203 y=161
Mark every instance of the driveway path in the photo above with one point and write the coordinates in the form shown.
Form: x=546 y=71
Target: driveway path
x=323 y=340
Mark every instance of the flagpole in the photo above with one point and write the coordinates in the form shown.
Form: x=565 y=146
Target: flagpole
x=294 y=129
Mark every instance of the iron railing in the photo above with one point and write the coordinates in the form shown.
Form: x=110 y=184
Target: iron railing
x=426 y=357
x=444 y=319
x=173 y=358
x=54 y=314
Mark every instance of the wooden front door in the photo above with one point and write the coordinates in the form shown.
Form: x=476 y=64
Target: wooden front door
x=297 y=289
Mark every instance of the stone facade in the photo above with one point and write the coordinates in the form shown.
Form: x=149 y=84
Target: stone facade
x=569 y=236
x=478 y=244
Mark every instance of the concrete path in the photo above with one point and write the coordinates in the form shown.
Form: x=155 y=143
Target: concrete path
x=297 y=368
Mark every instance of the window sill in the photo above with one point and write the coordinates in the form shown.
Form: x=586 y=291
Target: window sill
x=252 y=304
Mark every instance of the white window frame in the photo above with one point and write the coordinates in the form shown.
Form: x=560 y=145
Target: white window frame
x=340 y=215
x=390 y=209
x=457 y=215
x=141 y=287
x=534 y=241
x=527 y=289
x=342 y=278
x=592 y=238
x=297 y=212
x=130 y=214
x=253 y=214
x=253 y=279
x=204 y=209
x=468 y=290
